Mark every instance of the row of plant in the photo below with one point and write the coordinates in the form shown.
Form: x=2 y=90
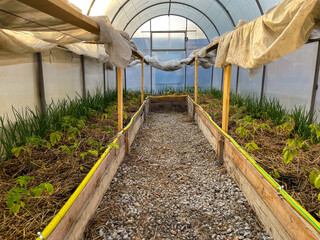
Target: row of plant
x=47 y=156
x=285 y=143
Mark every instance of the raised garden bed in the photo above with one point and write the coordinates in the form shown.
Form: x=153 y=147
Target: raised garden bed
x=63 y=158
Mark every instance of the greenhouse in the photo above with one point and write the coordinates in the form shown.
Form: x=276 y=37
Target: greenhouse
x=135 y=119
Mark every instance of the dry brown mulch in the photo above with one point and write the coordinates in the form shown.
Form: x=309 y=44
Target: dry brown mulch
x=64 y=171
x=293 y=176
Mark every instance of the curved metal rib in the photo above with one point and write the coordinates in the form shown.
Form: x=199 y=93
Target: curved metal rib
x=173 y=3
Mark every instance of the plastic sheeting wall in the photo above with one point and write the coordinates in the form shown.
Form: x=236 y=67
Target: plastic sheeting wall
x=62 y=75
x=111 y=80
x=93 y=75
x=247 y=87
x=217 y=77
x=18 y=81
x=290 y=79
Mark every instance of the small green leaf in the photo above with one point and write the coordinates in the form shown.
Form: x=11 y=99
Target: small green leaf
x=49 y=187
x=93 y=152
x=319 y=196
x=317 y=182
x=23 y=180
x=287 y=157
x=312 y=177
x=83 y=155
x=81 y=168
x=276 y=173
x=16 y=151
x=36 y=192
x=15 y=208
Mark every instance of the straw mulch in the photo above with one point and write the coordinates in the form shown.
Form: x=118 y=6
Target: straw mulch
x=64 y=171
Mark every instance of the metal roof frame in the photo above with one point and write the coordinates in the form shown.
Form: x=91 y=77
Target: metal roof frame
x=169 y=2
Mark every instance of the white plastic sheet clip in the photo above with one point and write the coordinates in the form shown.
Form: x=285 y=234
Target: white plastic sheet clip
x=40 y=235
x=279 y=190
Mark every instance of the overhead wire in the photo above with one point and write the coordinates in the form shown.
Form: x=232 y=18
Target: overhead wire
x=40 y=24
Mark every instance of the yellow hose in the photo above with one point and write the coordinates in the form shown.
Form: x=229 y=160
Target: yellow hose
x=57 y=218
x=54 y=222
x=285 y=195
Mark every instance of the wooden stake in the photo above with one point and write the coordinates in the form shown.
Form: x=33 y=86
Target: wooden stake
x=142 y=98
x=196 y=81
x=226 y=97
x=120 y=99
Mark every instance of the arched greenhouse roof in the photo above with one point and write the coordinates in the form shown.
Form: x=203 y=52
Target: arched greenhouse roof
x=215 y=17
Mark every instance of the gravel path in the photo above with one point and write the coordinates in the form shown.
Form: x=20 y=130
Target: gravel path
x=170 y=187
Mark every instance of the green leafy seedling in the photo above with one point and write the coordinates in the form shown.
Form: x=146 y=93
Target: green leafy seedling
x=112 y=145
x=17 y=150
x=55 y=137
x=251 y=146
x=83 y=155
x=15 y=194
x=109 y=129
x=292 y=147
x=93 y=152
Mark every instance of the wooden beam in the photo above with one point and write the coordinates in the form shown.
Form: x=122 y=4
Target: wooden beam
x=210 y=47
x=120 y=98
x=226 y=97
x=142 y=78
x=196 y=81
x=63 y=11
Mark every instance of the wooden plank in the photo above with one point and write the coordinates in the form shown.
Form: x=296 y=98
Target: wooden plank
x=63 y=11
x=206 y=131
x=120 y=98
x=135 y=128
x=142 y=78
x=208 y=123
x=278 y=217
x=94 y=201
x=127 y=141
x=167 y=99
x=66 y=223
x=296 y=227
x=226 y=98
x=196 y=81
x=267 y=218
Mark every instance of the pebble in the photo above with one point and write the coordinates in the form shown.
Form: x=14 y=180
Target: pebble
x=171 y=187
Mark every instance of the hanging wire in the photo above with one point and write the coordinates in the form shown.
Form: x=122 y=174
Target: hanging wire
x=42 y=25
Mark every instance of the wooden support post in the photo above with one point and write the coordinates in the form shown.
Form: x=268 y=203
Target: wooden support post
x=226 y=98
x=120 y=98
x=220 y=146
x=196 y=81
x=142 y=78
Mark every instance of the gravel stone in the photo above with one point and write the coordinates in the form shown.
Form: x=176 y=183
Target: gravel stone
x=171 y=187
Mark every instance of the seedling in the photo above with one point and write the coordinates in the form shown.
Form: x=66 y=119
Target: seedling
x=275 y=173
x=251 y=146
x=109 y=129
x=292 y=147
x=55 y=137
x=93 y=144
x=287 y=126
x=15 y=194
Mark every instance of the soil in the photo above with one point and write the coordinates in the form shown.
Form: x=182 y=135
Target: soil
x=293 y=176
x=64 y=171
x=171 y=187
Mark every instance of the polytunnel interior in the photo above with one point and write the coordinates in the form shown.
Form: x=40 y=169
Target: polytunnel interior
x=147 y=119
